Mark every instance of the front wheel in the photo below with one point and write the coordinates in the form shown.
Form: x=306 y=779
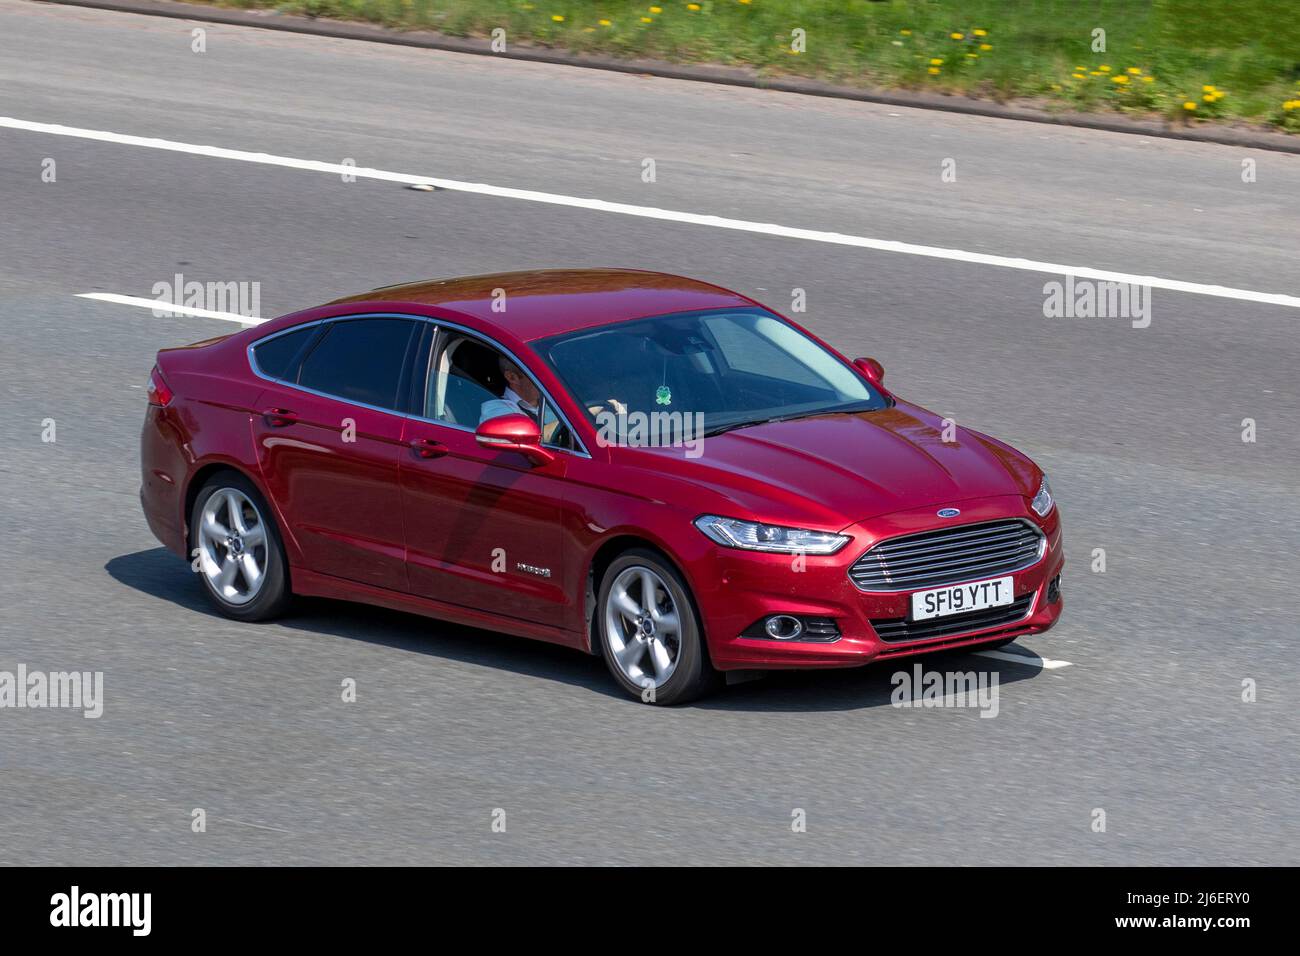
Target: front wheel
x=649 y=634
x=237 y=551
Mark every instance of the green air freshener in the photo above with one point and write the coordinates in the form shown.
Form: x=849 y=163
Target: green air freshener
x=663 y=395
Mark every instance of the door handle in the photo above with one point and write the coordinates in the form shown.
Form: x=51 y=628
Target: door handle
x=279 y=417
x=428 y=448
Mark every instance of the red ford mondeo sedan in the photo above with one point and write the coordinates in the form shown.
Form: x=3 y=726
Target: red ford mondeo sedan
x=637 y=465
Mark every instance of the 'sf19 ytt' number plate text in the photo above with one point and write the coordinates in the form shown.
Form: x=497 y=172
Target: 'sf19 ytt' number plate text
x=962 y=598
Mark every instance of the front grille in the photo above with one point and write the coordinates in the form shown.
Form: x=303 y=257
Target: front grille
x=898 y=629
x=935 y=558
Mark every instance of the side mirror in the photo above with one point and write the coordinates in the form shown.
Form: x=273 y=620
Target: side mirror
x=514 y=433
x=872 y=369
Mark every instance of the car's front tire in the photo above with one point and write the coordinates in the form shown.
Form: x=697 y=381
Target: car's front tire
x=237 y=550
x=650 y=635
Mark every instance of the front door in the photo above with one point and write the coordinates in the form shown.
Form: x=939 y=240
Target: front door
x=483 y=527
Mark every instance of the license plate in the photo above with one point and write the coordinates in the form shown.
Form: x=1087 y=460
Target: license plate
x=962 y=598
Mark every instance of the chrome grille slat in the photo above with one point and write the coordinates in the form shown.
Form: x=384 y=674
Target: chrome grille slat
x=955 y=534
x=948 y=556
x=956 y=575
x=957 y=572
x=997 y=547
x=1010 y=534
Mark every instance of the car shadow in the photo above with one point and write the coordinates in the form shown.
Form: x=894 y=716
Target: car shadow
x=159 y=573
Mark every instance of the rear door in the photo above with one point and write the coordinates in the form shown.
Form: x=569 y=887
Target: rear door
x=329 y=443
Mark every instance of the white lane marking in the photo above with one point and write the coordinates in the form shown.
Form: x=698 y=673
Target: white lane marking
x=154 y=304
x=669 y=215
x=1045 y=663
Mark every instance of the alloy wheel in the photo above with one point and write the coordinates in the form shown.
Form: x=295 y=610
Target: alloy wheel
x=232 y=546
x=643 y=627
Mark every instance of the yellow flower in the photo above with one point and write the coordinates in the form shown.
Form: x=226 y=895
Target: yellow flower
x=647 y=19
x=606 y=23
x=972 y=56
x=1208 y=97
x=933 y=70
x=1104 y=68
x=1189 y=105
x=1207 y=89
x=957 y=36
x=980 y=33
x=656 y=9
x=1121 y=79
x=557 y=18
x=906 y=33
x=1148 y=79
x=986 y=46
x=936 y=62
x=743 y=1
x=1080 y=68
x=692 y=7
x=1135 y=70
x=1096 y=73
x=1078 y=76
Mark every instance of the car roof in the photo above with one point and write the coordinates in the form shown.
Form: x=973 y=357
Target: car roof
x=544 y=302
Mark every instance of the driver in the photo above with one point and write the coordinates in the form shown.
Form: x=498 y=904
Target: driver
x=521 y=395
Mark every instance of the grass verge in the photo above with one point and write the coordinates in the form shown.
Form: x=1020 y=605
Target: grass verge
x=1189 y=60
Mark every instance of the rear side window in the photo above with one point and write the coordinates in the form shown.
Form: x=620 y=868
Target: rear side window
x=360 y=360
x=275 y=355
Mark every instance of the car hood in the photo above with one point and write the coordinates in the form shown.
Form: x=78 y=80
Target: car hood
x=843 y=468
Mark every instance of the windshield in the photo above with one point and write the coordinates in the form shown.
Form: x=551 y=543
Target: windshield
x=732 y=367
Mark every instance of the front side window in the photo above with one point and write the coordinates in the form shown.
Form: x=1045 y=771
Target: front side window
x=733 y=367
x=470 y=382
x=360 y=360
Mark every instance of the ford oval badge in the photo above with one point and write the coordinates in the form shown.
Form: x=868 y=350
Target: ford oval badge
x=948 y=512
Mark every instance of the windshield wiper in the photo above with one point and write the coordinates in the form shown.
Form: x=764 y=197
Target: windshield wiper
x=731 y=426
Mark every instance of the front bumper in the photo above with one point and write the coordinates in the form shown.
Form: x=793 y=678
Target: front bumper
x=746 y=587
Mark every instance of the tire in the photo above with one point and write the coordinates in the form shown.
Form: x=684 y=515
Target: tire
x=651 y=661
x=221 y=538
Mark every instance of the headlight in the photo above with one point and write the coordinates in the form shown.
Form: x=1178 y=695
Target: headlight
x=1042 y=503
x=751 y=536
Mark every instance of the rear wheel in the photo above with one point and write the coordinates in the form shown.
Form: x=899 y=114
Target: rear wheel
x=649 y=634
x=237 y=549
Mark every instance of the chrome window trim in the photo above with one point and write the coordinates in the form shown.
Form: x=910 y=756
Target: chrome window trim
x=438 y=325
x=1042 y=553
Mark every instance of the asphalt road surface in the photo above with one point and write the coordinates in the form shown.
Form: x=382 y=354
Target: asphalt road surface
x=1141 y=430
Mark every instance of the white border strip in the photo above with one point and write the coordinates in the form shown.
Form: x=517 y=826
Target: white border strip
x=668 y=215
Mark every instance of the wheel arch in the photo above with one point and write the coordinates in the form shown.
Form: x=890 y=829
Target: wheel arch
x=200 y=477
x=605 y=555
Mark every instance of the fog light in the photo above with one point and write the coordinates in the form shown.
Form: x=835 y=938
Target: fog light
x=783 y=627
x=1054 y=590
